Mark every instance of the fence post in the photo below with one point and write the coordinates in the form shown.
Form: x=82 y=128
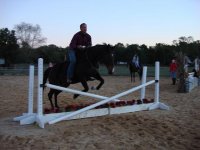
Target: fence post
x=157 y=77
x=144 y=78
x=31 y=89
x=157 y=104
x=29 y=117
x=39 y=118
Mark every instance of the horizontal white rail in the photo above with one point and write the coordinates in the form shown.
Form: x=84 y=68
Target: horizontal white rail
x=99 y=103
x=76 y=91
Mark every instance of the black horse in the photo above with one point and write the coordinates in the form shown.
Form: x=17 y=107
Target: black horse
x=133 y=69
x=86 y=69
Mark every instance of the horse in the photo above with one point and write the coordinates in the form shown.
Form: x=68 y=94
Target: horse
x=133 y=69
x=86 y=69
x=187 y=62
x=197 y=64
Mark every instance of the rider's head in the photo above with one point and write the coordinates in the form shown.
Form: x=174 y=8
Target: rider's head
x=83 y=27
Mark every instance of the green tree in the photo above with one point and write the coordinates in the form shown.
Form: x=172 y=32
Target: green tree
x=50 y=53
x=143 y=54
x=131 y=50
x=8 y=45
x=120 y=53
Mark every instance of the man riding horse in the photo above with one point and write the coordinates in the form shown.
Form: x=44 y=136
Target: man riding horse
x=80 y=40
x=81 y=65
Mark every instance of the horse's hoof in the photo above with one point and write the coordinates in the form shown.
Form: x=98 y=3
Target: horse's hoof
x=57 y=107
x=75 y=96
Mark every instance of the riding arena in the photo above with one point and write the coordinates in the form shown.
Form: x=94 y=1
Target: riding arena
x=117 y=115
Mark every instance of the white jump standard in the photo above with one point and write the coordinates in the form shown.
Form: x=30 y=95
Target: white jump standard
x=89 y=111
x=29 y=117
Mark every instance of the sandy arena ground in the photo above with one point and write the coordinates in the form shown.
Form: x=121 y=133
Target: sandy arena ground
x=178 y=128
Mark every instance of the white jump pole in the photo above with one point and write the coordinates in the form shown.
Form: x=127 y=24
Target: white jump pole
x=77 y=92
x=100 y=103
x=144 y=78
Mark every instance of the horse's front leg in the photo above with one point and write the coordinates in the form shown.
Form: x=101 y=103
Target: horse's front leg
x=50 y=94
x=55 y=97
x=131 y=77
x=86 y=88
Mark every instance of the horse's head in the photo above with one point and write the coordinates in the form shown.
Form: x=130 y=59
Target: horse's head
x=108 y=58
x=103 y=54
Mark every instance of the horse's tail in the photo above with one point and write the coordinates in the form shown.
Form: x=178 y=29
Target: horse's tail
x=46 y=75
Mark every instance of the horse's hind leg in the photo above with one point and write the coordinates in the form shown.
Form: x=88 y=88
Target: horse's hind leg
x=99 y=78
x=50 y=94
x=55 y=97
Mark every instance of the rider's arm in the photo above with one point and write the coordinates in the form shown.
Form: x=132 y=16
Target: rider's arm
x=89 y=41
x=73 y=43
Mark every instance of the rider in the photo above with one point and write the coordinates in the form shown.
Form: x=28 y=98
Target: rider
x=135 y=60
x=79 y=41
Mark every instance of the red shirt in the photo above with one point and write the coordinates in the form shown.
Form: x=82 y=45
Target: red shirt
x=173 y=67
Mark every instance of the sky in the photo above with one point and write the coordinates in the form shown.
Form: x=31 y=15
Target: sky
x=109 y=21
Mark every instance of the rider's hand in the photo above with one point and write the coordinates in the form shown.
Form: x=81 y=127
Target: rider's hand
x=81 y=47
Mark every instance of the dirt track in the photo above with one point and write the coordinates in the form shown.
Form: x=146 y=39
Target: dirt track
x=178 y=128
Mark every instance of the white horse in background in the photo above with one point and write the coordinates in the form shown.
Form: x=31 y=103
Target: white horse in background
x=197 y=63
x=187 y=62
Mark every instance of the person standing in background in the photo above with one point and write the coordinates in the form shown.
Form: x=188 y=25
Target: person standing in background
x=173 y=69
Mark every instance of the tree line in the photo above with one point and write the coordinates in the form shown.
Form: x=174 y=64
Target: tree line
x=25 y=44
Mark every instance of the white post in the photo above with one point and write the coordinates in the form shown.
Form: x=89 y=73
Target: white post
x=31 y=89
x=144 y=78
x=29 y=117
x=40 y=88
x=39 y=117
x=157 y=75
x=157 y=104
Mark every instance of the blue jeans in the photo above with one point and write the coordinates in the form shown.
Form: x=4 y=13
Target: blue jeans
x=71 y=57
x=173 y=74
